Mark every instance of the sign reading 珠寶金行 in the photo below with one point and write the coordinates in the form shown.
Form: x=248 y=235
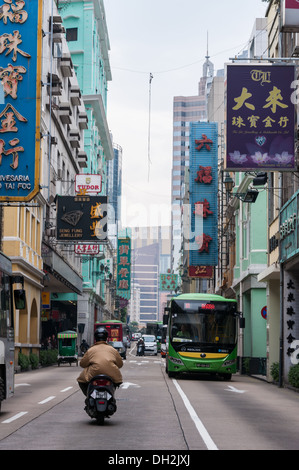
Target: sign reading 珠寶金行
x=260 y=122
x=82 y=218
x=20 y=80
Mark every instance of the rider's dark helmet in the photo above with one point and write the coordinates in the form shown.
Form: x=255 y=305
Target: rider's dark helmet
x=101 y=334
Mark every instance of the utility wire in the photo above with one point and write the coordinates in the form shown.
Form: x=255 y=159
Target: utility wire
x=149 y=124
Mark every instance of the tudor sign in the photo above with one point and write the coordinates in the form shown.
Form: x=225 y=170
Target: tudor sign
x=88 y=183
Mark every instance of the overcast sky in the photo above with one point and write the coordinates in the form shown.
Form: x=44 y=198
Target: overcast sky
x=168 y=39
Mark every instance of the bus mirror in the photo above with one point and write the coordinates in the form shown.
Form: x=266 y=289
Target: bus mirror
x=242 y=322
x=20 y=299
x=165 y=319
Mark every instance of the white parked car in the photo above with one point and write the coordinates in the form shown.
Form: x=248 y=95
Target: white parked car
x=150 y=344
x=136 y=336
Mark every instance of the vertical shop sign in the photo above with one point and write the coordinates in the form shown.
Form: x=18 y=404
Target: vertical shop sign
x=123 y=281
x=20 y=106
x=290 y=324
x=203 y=194
x=260 y=117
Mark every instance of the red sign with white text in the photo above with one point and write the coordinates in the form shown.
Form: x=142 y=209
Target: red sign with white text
x=87 y=249
x=203 y=272
x=292 y=4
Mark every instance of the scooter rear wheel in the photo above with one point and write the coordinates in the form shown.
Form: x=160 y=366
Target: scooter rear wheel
x=100 y=418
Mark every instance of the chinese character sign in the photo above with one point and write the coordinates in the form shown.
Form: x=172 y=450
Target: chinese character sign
x=203 y=194
x=260 y=117
x=123 y=281
x=82 y=218
x=168 y=281
x=20 y=84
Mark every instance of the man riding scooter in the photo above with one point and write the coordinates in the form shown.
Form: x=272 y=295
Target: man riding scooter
x=101 y=358
x=140 y=347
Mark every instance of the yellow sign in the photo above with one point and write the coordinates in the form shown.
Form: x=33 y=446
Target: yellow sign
x=45 y=299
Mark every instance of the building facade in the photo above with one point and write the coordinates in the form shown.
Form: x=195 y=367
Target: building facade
x=281 y=272
x=47 y=267
x=88 y=41
x=150 y=257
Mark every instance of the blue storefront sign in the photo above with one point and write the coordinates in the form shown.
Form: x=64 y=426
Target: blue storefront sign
x=20 y=83
x=204 y=194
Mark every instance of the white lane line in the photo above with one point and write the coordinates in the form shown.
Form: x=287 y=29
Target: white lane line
x=66 y=389
x=199 y=425
x=45 y=400
x=13 y=418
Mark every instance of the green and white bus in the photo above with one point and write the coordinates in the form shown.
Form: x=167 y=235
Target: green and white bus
x=202 y=335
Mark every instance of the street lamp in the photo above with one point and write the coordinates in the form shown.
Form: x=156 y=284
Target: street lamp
x=249 y=196
x=228 y=182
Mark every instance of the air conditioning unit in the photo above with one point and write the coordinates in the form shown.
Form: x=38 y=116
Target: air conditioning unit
x=295 y=52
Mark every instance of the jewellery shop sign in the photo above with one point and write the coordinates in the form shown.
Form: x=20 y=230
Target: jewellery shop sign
x=82 y=219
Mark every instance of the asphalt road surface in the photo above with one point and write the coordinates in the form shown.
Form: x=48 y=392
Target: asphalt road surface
x=154 y=413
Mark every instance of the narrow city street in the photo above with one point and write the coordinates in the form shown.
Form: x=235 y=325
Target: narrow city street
x=154 y=413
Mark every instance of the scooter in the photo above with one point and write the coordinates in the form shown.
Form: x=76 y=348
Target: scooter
x=100 y=401
x=140 y=349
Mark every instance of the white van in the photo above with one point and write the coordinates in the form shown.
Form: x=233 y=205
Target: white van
x=150 y=344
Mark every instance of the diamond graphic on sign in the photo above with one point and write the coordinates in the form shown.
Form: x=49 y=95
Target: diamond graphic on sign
x=72 y=218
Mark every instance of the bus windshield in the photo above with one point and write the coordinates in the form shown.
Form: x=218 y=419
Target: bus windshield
x=210 y=323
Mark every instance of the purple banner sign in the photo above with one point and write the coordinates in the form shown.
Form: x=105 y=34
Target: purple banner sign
x=260 y=118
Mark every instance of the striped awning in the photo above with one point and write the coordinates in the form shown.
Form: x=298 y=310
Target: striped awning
x=67 y=334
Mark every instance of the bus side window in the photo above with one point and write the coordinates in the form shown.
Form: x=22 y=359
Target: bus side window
x=174 y=330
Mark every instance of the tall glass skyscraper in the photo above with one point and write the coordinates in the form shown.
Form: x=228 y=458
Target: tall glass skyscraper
x=150 y=257
x=114 y=186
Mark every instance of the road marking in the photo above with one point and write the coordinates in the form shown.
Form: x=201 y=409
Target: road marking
x=199 y=425
x=126 y=385
x=22 y=385
x=45 y=400
x=66 y=389
x=233 y=389
x=13 y=418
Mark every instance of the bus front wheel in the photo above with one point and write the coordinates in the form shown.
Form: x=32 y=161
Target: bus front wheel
x=226 y=376
x=168 y=372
